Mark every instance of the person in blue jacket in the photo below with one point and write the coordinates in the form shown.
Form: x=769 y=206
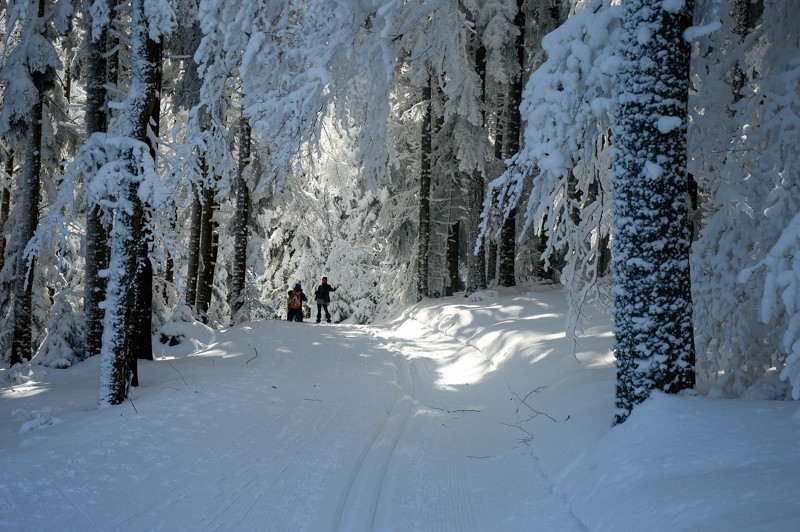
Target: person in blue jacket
x=323 y=298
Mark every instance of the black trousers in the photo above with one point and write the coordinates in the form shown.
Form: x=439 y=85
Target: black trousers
x=295 y=314
x=321 y=306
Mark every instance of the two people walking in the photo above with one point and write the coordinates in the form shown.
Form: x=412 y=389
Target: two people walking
x=322 y=296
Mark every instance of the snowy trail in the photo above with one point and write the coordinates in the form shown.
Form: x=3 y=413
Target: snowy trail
x=362 y=495
x=462 y=414
x=286 y=426
x=461 y=450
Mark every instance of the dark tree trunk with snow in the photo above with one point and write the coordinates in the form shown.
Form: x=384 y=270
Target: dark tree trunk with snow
x=507 y=251
x=652 y=296
x=492 y=248
x=142 y=334
x=207 y=254
x=193 y=251
x=452 y=258
x=5 y=206
x=740 y=14
x=97 y=252
x=426 y=154
x=28 y=219
x=117 y=364
x=476 y=187
x=506 y=275
x=240 y=235
x=476 y=260
x=142 y=344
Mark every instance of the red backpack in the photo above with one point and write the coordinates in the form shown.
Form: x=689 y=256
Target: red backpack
x=295 y=301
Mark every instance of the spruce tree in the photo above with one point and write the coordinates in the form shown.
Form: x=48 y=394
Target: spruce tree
x=240 y=226
x=652 y=291
x=97 y=251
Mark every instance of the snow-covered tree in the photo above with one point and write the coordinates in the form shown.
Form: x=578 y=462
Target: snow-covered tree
x=241 y=224
x=97 y=250
x=134 y=166
x=424 y=196
x=27 y=74
x=743 y=148
x=563 y=163
x=652 y=289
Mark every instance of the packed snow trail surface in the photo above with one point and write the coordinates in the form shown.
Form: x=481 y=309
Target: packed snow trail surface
x=463 y=413
x=289 y=426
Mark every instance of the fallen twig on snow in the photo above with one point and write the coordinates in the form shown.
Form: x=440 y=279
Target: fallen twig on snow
x=452 y=411
x=536 y=412
x=179 y=373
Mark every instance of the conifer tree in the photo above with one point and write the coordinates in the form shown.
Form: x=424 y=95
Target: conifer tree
x=652 y=289
x=240 y=223
x=118 y=361
x=426 y=153
x=97 y=251
x=28 y=73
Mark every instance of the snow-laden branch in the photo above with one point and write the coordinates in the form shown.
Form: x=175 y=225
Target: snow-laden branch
x=568 y=107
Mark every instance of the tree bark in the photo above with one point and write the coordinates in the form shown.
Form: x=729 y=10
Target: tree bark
x=239 y=267
x=207 y=254
x=193 y=253
x=117 y=364
x=476 y=187
x=508 y=235
x=97 y=252
x=426 y=154
x=141 y=334
x=452 y=258
x=652 y=288
x=5 y=206
x=28 y=203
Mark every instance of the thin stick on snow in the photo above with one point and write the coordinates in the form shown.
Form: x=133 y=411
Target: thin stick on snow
x=179 y=373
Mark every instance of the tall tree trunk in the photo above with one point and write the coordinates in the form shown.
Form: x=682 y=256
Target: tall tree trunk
x=476 y=187
x=239 y=269
x=508 y=235
x=97 y=252
x=193 y=253
x=22 y=339
x=476 y=259
x=117 y=364
x=426 y=154
x=740 y=14
x=452 y=258
x=141 y=335
x=652 y=290
x=5 y=206
x=499 y=148
x=208 y=248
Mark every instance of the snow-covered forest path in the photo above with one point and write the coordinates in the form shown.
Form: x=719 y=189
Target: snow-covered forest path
x=288 y=426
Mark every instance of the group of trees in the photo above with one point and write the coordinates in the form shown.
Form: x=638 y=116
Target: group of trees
x=206 y=154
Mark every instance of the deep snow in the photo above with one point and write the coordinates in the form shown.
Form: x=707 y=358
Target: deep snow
x=458 y=414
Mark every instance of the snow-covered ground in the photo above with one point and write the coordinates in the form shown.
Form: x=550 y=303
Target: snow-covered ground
x=458 y=414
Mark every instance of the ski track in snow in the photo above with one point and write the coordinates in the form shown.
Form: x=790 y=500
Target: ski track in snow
x=370 y=435
x=363 y=492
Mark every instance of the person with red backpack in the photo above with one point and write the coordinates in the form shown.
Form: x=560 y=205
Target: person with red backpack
x=295 y=303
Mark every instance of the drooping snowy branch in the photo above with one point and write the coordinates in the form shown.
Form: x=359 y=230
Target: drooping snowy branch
x=568 y=107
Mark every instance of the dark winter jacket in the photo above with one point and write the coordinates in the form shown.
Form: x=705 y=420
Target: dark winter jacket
x=323 y=293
